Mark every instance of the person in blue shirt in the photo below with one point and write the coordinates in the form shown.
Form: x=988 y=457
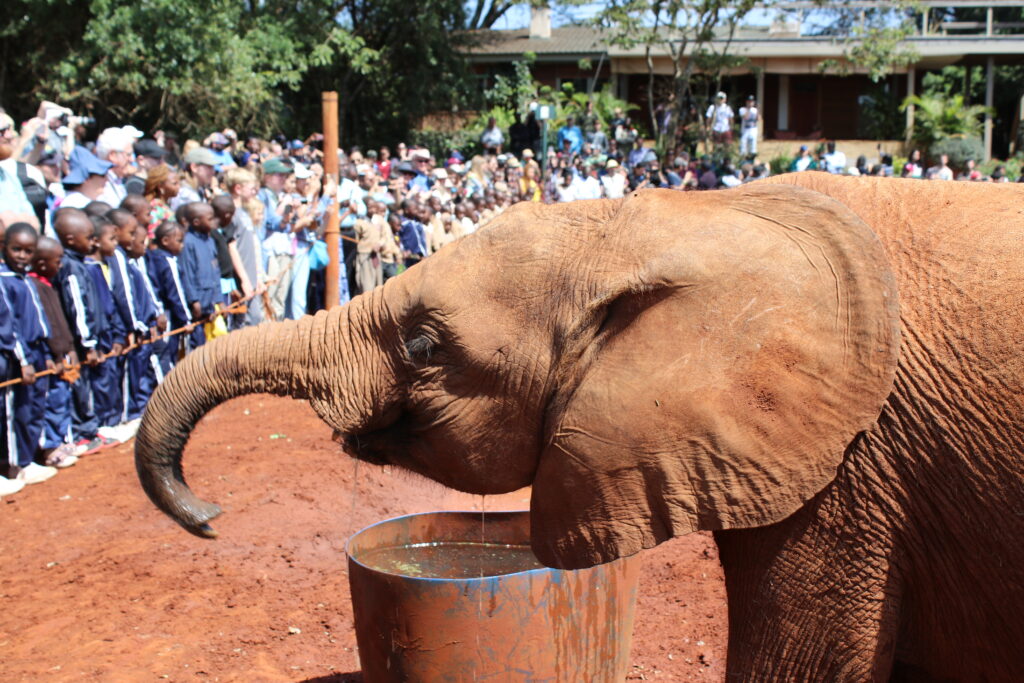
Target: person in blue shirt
x=80 y=301
x=572 y=134
x=413 y=235
x=162 y=267
x=30 y=321
x=200 y=272
x=11 y=353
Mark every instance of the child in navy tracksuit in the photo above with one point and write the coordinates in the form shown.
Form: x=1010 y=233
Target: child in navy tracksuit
x=84 y=312
x=11 y=355
x=162 y=268
x=25 y=425
x=200 y=270
x=107 y=376
x=57 y=437
x=144 y=371
x=127 y=301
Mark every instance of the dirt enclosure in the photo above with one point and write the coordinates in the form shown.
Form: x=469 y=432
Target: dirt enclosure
x=97 y=585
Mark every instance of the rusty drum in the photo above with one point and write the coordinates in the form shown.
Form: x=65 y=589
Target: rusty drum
x=457 y=596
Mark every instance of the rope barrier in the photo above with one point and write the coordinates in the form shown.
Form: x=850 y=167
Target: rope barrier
x=237 y=307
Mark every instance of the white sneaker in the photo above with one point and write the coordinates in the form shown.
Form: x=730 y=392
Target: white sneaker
x=110 y=433
x=33 y=473
x=126 y=431
x=9 y=486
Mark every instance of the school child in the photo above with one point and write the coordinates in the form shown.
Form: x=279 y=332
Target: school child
x=106 y=377
x=57 y=442
x=200 y=272
x=11 y=354
x=162 y=268
x=85 y=315
x=25 y=423
x=127 y=300
x=143 y=362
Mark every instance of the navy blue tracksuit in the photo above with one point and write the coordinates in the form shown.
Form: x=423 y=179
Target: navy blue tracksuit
x=81 y=303
x=143 y=364
x=162 y=268
x=108 y=377
x=200 y=275
x=12 y=353
x=25 y=435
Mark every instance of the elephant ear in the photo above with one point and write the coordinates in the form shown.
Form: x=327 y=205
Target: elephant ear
x=742 y=342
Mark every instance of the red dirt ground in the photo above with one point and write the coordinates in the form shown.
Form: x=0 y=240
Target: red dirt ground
x=98 y=585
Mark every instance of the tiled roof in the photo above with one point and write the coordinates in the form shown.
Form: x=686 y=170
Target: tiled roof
x=566 y=40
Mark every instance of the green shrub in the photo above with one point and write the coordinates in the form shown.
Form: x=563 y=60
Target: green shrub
x=1014 y=167
x=780 y=164
x=959 y=149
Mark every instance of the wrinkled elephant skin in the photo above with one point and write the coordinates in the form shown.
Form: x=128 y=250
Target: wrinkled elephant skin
x=826 y=372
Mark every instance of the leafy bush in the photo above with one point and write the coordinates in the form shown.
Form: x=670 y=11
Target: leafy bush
x=937 y=117
x=1014 y=167
x=958 y=149
x=439 y=142
x=780 y=164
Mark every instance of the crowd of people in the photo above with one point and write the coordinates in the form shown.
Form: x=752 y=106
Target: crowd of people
x=124 y=252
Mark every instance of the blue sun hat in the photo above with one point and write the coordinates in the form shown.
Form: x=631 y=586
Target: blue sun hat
x=83 y=164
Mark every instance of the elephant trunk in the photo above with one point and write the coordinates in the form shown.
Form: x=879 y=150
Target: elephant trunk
x=300 y=359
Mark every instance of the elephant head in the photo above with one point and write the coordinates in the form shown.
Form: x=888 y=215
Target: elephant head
x=652 y=366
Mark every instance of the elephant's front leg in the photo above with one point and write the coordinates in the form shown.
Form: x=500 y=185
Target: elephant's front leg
x=812 y=598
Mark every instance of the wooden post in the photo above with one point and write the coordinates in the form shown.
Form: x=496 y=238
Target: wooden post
x=760 y=101
x=332 y=232
x=990 y=90
x=911 y=86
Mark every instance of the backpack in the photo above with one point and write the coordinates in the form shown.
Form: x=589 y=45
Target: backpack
x=35 y=192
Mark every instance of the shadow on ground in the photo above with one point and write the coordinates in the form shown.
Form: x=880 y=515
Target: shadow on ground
x=353 y=677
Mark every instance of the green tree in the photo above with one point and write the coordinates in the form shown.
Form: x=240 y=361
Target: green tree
x=938 y=118
x=694 y=35
x=873 y=38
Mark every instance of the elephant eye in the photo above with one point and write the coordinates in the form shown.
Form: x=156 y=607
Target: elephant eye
x=420 y=348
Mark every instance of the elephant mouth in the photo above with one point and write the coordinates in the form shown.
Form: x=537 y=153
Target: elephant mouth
x=382 y=446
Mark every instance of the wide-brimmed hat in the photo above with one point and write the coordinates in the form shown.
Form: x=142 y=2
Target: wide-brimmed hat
x=201 y=155
x=83 y=164
x=276 y=165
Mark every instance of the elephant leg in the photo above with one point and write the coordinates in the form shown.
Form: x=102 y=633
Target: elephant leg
x=809 y=602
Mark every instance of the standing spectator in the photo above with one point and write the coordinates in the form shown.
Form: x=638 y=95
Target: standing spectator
x=384 y=163
x=748 y=128
x=518 y=136
x=86 y=179
x=85 y=317
x=14 y=205
x=57 y=442
x=275 y=174
x=114 y=145
x=590 y=186
x=708 y=179
x=720 y=116
x=197 y=183
x=412 y=235
x=571 y=135
x=943 y=171
x=529 y=185
x=148 y=155
x=374 y=237
x=804 y=161
x=598 y=140
x=913 y=168
x=162 y=268
x=32 y=330
x=242 y=187
x=200 y=273
x=614 y=180
x=492 y=138
x=218 y=144
x=834 y=160
x=971 y=171
x=162 y=186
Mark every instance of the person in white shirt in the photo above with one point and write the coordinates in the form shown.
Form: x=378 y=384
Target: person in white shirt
x=614 y=180
x=114 y=145
x=835 y=161
x=748 y=128
x=589 y=187
x=720 y=116
x=566 y=189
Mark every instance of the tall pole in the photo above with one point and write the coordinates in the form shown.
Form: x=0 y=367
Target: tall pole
x=332 y=233
x=990 y=93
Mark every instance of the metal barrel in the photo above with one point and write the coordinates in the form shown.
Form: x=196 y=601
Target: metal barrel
x=536 y=625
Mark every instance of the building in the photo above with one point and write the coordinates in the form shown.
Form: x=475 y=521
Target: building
x=783 y=68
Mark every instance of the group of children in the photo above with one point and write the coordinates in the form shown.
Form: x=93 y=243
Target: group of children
x=94 y=307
